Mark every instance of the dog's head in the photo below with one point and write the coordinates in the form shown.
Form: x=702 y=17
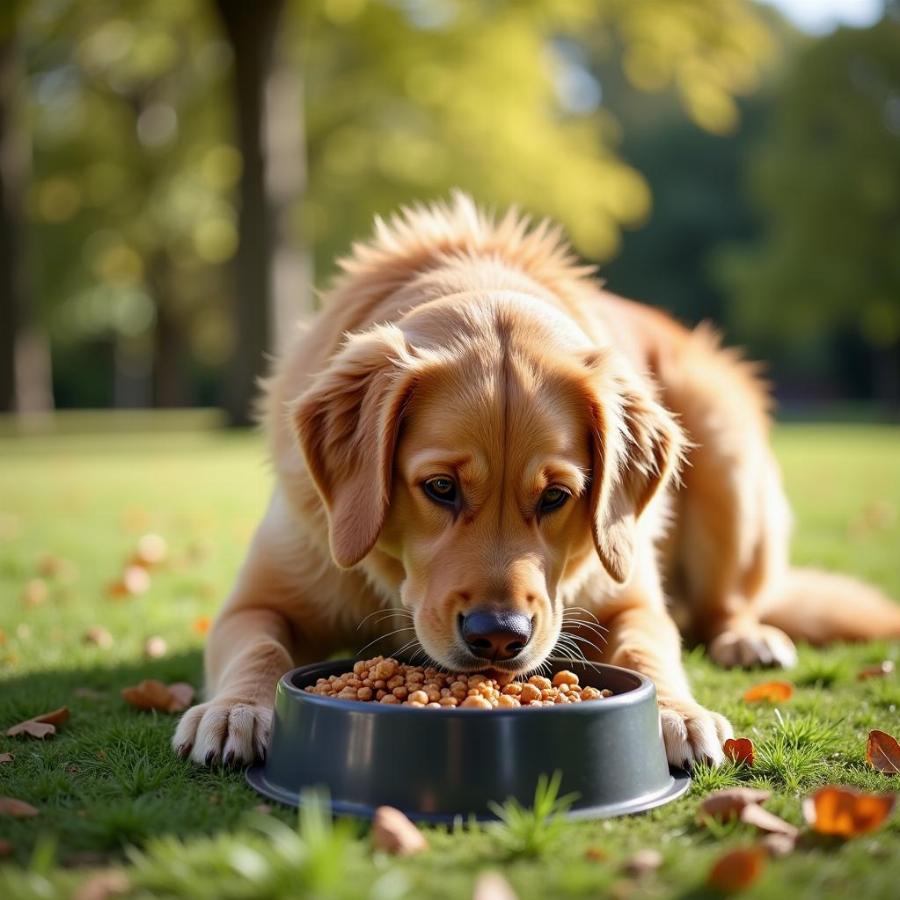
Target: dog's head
x=486 y=447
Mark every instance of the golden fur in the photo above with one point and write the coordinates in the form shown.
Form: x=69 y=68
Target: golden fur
x=478 y=350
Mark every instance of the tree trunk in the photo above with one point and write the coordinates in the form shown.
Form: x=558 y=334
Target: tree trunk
x=250 y=28
x=24 y=357
x=273 y=275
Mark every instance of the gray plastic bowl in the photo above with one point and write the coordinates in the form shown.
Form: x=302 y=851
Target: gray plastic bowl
x=436 y=765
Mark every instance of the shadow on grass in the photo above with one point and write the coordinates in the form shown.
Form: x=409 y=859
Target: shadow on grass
x=109 y=778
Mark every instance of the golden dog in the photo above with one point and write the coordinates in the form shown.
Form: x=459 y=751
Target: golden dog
x=476 y=438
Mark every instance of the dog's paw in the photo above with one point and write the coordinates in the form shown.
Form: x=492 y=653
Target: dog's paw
x=751 y=644
x=227 y=731
x=691 y=733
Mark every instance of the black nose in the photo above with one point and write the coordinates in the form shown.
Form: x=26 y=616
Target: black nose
x=495 y=635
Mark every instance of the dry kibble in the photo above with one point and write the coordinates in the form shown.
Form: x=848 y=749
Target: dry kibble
x=394 y=683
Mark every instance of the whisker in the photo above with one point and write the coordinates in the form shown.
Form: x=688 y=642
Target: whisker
x=385 y=614
x=581 y=609
x=382 y=637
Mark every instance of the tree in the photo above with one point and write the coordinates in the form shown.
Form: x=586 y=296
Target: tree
x=827 y=179
x=24 y=359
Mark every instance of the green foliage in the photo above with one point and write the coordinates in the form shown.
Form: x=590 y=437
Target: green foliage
x=530 y=832
x=827 y=182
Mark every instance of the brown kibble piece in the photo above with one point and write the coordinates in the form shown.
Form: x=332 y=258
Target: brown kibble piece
x=393 y=833
x=476 y=702
x=564 y=677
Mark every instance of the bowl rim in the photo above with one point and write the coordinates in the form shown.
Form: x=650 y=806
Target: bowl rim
x=637 y=695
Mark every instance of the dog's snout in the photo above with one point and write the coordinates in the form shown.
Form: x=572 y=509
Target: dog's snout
x=494 y=634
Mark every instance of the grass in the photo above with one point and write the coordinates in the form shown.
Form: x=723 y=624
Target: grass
x=111 y=794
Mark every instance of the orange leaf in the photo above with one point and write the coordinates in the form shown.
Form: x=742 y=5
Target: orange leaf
x=845 y=812
x=740 y=750
x=770 y=692
x=883 y=752
x=879 y=670
x=153 y=694
x=737 y=869
x=6 y=848
x=40 y=726
x=18 y=809
x=727 y=804
x=202 y=624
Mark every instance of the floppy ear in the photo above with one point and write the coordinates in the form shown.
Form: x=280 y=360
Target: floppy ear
x=637 y=449
x=347 y=424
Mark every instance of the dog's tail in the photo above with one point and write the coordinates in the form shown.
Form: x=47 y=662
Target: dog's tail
x=818 y=607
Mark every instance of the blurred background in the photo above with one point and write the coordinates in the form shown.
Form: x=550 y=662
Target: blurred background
x=177 y=177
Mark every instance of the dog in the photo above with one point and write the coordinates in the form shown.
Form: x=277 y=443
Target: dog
x=475 y=439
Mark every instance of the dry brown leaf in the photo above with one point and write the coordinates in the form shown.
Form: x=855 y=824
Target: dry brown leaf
x=134 y=580
x=740 y=750
x=493 y=886
x=846 y=812
x=112 y=883
x=202 y=624
x=40 y=726
x=153 y=694
x=155 y=647
x=779 y=845
x=755 y=815
x=35 y=592
x=643 y=861
x=883 y=752
x=395 y=834
x=6 y=848
x=595 y=854
x=6 y=757
x=151 y=550
x=879 y=670
x=737 y=869
x=769 y=692
x=98 y=636
x=729 y=803
x=18 y=809
x=87 y=693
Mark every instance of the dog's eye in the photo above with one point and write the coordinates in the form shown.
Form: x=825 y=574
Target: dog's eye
x=441 y=490
x=553 y=498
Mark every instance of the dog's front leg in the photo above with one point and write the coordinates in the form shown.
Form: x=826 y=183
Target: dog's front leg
x=248 y=651
x=642 y=636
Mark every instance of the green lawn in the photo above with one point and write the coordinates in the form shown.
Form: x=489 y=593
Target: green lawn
x=110 y=792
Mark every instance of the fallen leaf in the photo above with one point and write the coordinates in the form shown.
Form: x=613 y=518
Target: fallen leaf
x=134 y=580
x=739 y=750
x=395 y=834
x=595 y=854
x=880 y=670
x=728 y=804
x=769 y=692
x=18 y=809
x=87 y=693
x=155 y=647
x=493 y=886
x=151 y=550
x=202 y=624
x=112 y=883
x=49 y=565
x=153 y=694
x=737 y=869
x=643 y=861
x=40 y=726
x=6 y=757
x=846 y=812
x=779 y=845
x=6 y=848
x=35 y=592
x=98 y=636
x=755 y=815
x=883 y=752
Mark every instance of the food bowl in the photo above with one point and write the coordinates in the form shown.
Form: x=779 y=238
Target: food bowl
x=436 y=765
